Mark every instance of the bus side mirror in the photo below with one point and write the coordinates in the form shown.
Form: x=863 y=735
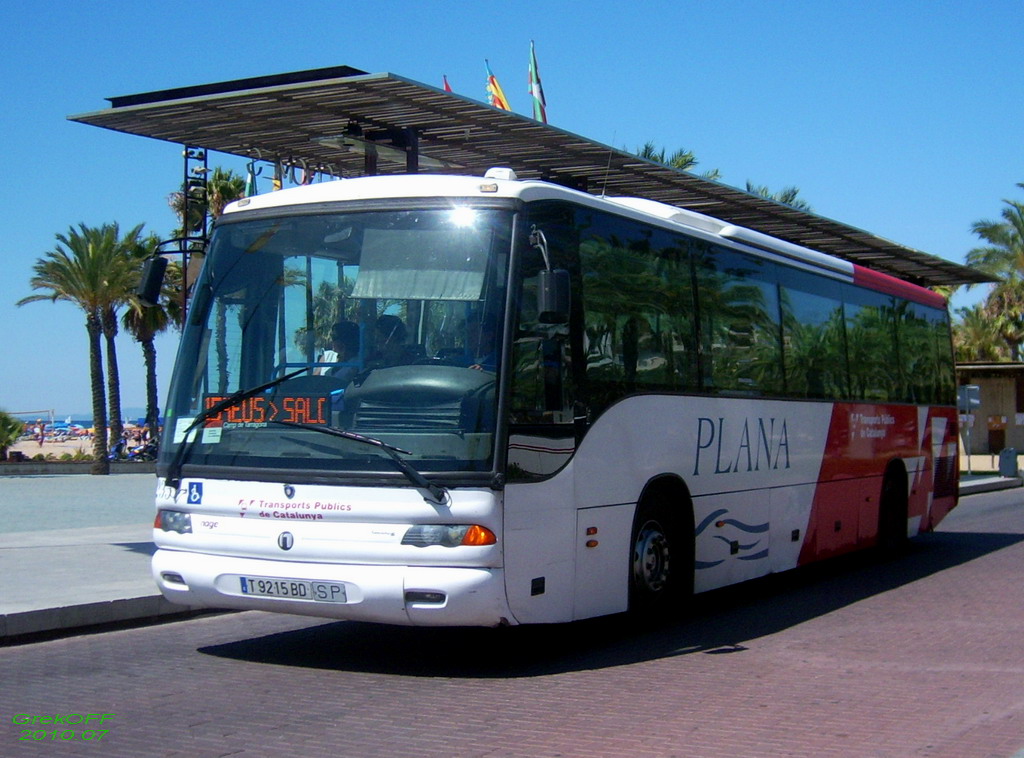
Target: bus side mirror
x=152 y=281
x=553 y=296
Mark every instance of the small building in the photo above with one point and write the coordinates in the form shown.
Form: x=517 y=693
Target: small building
x=998 y=422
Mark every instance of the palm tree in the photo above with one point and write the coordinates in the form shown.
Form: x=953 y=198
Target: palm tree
x=786 y=196
x=976 y=336
x=1003 y=257
x=121 y=280
x=223 y=187
x=682 y=159
x=1004 y=306
x=145 y=322
x=87 y=268
x=10 y=430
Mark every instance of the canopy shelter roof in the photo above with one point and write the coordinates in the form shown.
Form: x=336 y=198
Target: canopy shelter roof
x=331 y=119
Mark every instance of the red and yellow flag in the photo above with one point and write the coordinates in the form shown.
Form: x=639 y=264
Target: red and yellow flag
x=495 y=95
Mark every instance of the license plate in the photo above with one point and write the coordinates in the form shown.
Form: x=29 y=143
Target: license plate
x=296 y=589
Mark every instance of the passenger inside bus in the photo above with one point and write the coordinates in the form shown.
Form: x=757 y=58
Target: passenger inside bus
x=344 y=352
x=392 y=348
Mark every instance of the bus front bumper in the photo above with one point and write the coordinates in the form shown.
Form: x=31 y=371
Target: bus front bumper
x=406 y=595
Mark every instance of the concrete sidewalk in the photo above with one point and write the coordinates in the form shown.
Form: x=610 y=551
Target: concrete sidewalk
x=71 y=578
x=75 y=551
x=975 y=483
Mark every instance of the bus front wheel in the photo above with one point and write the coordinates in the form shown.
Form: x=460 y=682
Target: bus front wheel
x=658 y=563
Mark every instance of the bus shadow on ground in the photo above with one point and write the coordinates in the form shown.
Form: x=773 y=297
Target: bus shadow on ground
x=142 y=548
x=718 y=622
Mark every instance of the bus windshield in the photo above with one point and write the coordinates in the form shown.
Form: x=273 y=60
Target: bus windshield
x=386 y=324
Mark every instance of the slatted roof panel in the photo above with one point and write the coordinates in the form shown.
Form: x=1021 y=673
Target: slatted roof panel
x=285 y=118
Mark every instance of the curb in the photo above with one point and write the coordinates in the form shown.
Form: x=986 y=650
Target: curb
x=80 y=617
x=34 y=468
x=990 y=485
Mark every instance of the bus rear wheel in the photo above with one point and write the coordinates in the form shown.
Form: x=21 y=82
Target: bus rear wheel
x=892 y=513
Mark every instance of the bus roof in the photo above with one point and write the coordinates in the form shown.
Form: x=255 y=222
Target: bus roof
x=496 y=184
x=328 y=119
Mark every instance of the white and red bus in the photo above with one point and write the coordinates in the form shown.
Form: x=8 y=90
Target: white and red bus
x=447 y=400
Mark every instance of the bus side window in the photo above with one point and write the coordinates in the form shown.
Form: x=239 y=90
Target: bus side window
x=875 y=373
x=945 y=380
x=740 y=321
x=637 y=295
x=813 y=337
x=925 y=349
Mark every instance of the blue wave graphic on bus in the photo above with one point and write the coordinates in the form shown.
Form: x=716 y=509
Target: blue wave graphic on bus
x=743 y=550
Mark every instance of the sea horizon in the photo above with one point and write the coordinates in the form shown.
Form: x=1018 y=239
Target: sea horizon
x=129 y=415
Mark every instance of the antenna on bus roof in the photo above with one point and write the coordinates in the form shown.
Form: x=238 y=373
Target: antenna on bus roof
x=608 y=168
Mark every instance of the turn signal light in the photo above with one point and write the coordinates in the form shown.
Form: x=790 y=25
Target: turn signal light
x=479 y=535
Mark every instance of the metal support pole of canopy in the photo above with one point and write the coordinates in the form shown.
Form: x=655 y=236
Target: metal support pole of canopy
x=195 y=214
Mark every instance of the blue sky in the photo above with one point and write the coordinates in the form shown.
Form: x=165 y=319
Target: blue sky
x=900 y=118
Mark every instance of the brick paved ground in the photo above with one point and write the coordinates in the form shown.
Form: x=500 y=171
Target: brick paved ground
x=921 y=656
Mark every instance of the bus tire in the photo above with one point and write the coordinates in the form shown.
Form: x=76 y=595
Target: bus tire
x=892 y=512
x=661 y=561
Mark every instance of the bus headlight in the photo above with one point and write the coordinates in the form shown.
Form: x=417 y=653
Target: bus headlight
x=173 y=521
x=448 y=535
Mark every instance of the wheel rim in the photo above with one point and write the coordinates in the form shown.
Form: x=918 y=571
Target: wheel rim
x=651 y=558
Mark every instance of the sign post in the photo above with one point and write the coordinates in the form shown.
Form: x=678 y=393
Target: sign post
x=968 y=397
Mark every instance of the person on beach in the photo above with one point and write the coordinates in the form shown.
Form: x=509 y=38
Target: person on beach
x=40 y=432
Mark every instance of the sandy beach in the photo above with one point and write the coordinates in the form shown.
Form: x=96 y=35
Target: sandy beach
x=31 y=448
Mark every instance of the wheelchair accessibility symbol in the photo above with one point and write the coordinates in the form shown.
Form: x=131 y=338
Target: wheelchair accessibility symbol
x=195 y=493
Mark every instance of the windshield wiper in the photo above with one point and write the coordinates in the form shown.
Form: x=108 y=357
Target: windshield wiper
x=438 y=494
x=173 y=478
